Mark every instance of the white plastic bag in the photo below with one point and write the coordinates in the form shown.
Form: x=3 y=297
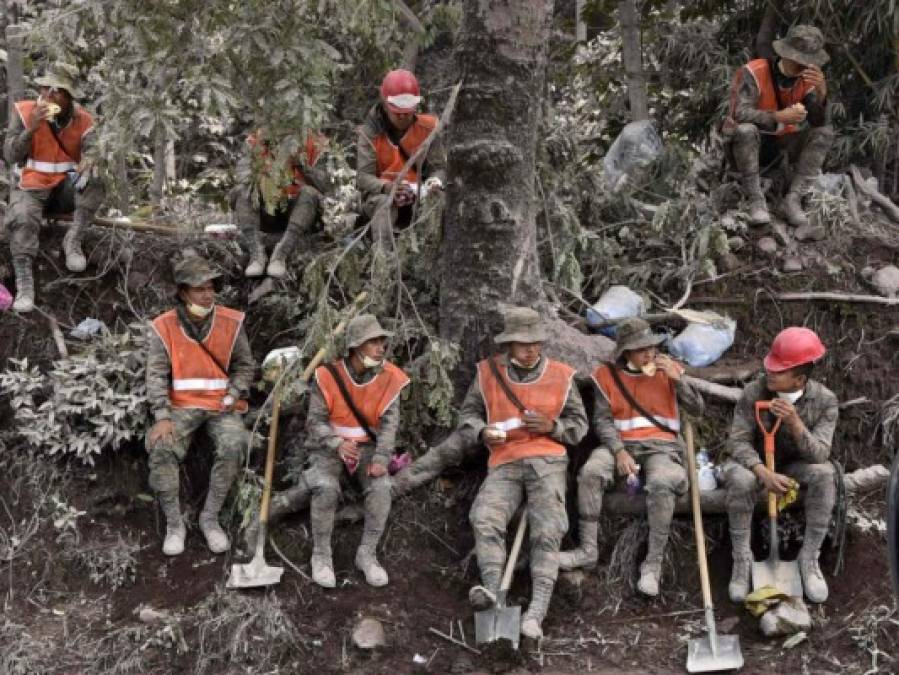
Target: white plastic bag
x=701 y=344
x=618 y=302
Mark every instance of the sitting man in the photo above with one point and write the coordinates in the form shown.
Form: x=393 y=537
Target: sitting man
x=809 y=411
x=354 y=414
x=48 y=138
x=288 y=200
x=526 y=409
x=391 y=133
x=770 y=102
x=637 y=421
x=199 y=372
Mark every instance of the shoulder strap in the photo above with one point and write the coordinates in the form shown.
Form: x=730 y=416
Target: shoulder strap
x=774 y=85
x=341 y=385
x=507 y=390
x=630 y=399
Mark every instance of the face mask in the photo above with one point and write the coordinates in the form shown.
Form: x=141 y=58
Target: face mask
x=519 y=364
x=369 y=363
x=791 y=396
x=199 y=311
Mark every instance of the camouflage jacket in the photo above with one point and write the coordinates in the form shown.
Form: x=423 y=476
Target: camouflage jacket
x=818 y=409
x=746 y=109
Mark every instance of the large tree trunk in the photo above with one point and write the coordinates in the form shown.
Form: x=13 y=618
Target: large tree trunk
x=490 y=238
x=632 y=59
x=767 y=32
x=580 y=26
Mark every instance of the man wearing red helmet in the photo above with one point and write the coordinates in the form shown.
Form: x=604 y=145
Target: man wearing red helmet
x=808 y=411
x=392 y=133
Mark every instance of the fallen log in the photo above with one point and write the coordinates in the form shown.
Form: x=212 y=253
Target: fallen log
x=835 y=297
x=125 y=224
x=874 y=194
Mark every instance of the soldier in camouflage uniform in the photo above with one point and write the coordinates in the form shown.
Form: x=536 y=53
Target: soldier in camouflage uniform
x=630 y=441
x=199 y=371
x=48 y=138
x=306 y=180
x=780 y=106
x=339 y=443
x=527 y=461
x=809 y=412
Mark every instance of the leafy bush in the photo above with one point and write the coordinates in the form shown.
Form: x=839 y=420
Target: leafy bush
x=86 y=403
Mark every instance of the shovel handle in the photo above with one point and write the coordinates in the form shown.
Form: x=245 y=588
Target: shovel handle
x=769 y=435
x=698 y=529
x=513 y=554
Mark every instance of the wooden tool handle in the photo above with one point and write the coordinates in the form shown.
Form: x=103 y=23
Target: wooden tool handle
x=513 y=554
x=698 y=529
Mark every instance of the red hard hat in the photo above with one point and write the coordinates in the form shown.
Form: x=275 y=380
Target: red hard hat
x=793 y=346
x=400 y=92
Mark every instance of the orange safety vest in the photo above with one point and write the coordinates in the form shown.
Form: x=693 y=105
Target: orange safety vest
x=546 y=394
x=372 y=398
x=391 y=159
x=656 y=394
x=47 y=162
x=197 y=380
x=768 y=96
x=315 y=144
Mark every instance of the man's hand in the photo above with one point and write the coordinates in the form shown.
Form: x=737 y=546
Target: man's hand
x=814 y=76
x=348 y=450
x=163 y=430
x=795 y=114
x=376 y=470
x=38 y=114
x=773 y=482
x=672 y=368
x=625 y=463
x=787 y=412
x=537 y=423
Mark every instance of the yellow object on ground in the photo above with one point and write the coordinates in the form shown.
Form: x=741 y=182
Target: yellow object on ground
x=761 y=600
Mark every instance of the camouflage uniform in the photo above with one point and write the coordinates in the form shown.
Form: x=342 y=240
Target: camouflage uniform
x=300 y=215
x=805 y=459
x=753 y=143
x=376 y=204
x=226 y=429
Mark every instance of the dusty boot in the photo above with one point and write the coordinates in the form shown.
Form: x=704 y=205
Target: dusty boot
x=24 y=284
x=256 y=266
x=650 y=573
x=483 y=596
x=741 y=571
x=323 y=569
x=812 y=580
x=587 y=553
x=368 y=564
x=659 y=511
x=216 y=539
x=175 y=532
x=277 y=264
x=222 y=476
x=531 y=624
x=740 y=579
x=793 y=204
x=71 y=246
x=758 y=209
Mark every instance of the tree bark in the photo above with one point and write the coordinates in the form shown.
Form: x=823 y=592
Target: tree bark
x=15 y=76
x=417 y=33
x=767 y=31
x=632 y=59
x=580 y=29
x=159 y=166
x=489 y=256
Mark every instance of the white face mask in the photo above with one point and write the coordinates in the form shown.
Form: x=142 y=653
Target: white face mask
x=198 y=310
x=369 y=363
x=519 y=364
x=791 y=396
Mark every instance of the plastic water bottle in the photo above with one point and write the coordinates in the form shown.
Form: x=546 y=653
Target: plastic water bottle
x=706 y=471
x=633 y=484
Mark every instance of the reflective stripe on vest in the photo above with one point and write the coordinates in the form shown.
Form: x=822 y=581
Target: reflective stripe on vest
x=47 y=162
x=768 y=99
x=391 y=160
x=372 y=398
x=546 y=394
x=197 y=380
x=656 y=394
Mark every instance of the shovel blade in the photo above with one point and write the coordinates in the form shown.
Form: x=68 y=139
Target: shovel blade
x=498 y=623
x=701 y=658
x=254 y=574
x=781 y=574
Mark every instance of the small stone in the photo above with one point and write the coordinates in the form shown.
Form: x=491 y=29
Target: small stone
x=810 y=233
x=780 y=233
x=792 y=263
x=727 y=262
x=735 y=243
x=886 y=281
x=150 y=615
x=767 y=245
x=369 y=634
x=788 y=617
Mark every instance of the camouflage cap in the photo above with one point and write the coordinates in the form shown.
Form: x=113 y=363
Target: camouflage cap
x=635 y=333
x=62 y=76
x=363 y=328
x=521 y=324
x=194 y=271
x=803 y=44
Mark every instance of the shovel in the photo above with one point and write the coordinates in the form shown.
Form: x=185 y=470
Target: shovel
x=781 y=574
x=257 y=572
x=501 y=622
x=712 y=652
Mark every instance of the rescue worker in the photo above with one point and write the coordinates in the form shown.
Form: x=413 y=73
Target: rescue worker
x=391 y=133
x=526 y=439
x=780 y=106
x=48 y=139
x=637 y=421
x=339 y=442
x=199 y=372
x=299 y=185
x=809 y=412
